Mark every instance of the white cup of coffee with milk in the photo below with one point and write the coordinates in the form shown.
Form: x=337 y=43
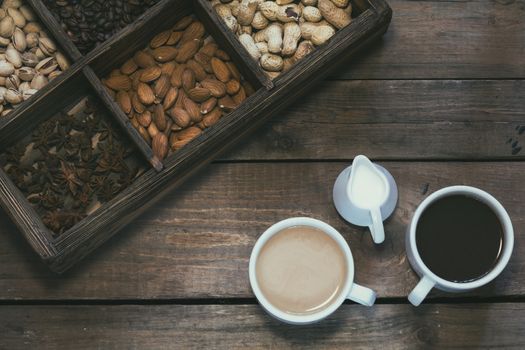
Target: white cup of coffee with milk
x=301 y=270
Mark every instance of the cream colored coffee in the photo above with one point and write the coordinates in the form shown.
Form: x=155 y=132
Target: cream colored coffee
x=301 y=270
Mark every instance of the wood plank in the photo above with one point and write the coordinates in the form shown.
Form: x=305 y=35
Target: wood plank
x=415 y=119
x=479 y=326
x=446 y=39
x=197 y=241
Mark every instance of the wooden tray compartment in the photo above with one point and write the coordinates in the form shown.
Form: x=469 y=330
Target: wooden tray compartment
x=270 y=97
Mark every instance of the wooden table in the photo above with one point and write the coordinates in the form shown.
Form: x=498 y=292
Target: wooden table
x=436 y=102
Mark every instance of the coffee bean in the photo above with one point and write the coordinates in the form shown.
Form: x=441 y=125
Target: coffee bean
x=91 y=22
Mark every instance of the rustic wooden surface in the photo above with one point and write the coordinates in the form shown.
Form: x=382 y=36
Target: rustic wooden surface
x=435 y=101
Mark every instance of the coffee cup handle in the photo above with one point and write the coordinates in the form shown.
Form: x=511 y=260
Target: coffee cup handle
x=420 y=292
x=362 y=295
x=376 y=229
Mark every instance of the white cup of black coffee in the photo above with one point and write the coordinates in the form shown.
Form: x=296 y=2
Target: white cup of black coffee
x=459 y=239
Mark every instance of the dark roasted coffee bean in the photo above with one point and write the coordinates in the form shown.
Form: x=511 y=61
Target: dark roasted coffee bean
x=90 y=22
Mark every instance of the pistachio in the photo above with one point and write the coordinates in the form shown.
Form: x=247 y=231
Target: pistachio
x=27 y=13
x=7 y=26
x=13 y=56
x=24 y=86
x=11 y=4
x=19 y=40
x=17 y=16
x=46 y=66
x=47 y=46
x=54 y=74
x=6 y=68
x=26 y=73
x=12 y=82
x=4 y=41
x=32 y=27
x=29 y=59
x=28 y=93
x=39 y=53
x=61 y=61
x=38 y=81
x=32 y=40
x=13 y=96
x=6 y=112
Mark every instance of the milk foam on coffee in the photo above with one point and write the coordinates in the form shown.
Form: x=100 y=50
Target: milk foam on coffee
x=301 y=270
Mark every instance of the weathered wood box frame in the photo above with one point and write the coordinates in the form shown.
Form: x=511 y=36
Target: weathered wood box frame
x=84 y=78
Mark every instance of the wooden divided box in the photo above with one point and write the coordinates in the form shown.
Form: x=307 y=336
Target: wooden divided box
x=76 y=166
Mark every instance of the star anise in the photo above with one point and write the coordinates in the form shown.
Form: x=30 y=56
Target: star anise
x=68 y=176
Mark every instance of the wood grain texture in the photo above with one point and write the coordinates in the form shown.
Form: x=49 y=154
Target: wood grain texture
x=196 y=243
x=476 y=326
x=446 y=39
x=413 y=119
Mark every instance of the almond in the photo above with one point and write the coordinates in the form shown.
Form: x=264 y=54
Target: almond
x=240 y=96
x=233 y=87
x=164 y=53
x=199 y=94
x=159 y=145
x=209 y=49
x=189 y=133
x=124 y=101
x=159 y=117
x=192 y=109
x=128 y=67
x=153 y=130
x=144 y=133
x=200 y=73
x=222 y=55
x=160 y=39
x=187 y=50
x=227 y=104
x=135 y=123
x=170 y=98
x=220 y=69
x=183 y=23
x=118 y=82
x=182 y=96
x=212 y=117
x=180 y=117
x=217 y=88
x=204 y=60
x=168 y=68
x=162 y=86
x=150 y=74
x=145 y=94
x=188 y=80
x=208 y=105
x=193 y=31
x=135 y=78
x=144 y=119
x=234 y=71
x=143 y=59
x=176 y=76
x=174 y=38
x=137 y=105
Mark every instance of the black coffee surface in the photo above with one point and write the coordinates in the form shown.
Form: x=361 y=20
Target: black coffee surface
x=459 y=238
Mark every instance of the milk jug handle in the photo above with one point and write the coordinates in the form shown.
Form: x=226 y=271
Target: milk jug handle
x=376 y=228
